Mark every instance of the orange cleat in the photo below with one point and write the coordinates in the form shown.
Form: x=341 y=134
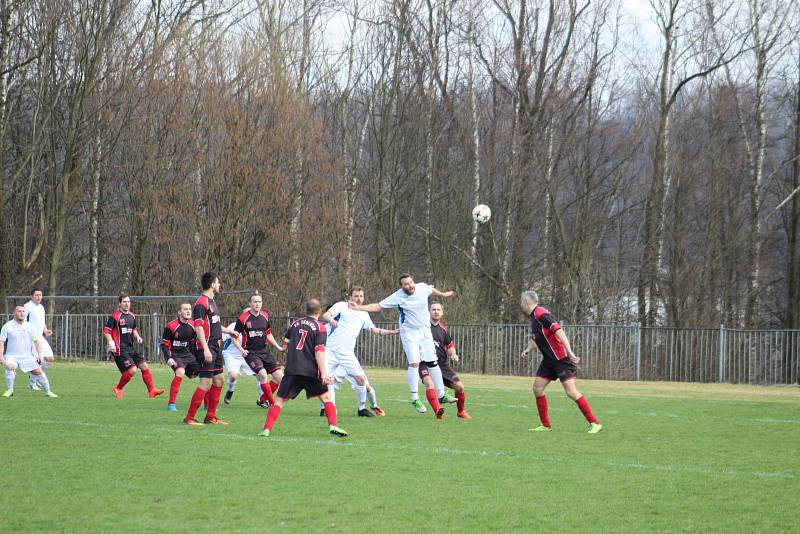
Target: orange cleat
x=192 y=422
x=440 y=413
x=464 y=415
x=155 y=392
x=377 y=411
x=118 y=393
x=215 y=421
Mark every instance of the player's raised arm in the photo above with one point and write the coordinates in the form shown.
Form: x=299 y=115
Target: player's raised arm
x=446 y=294
x=369 y=308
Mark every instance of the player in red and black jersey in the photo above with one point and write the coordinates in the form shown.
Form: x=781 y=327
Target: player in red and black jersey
x=121 y=333
x=255 y=328
x=178 y=347
x=558 y=362
x=445 y=351
x=305 y=368
x=205 y=315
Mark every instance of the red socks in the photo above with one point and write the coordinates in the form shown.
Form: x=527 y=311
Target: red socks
x=124 y=379
x=272 y=416
x=583 y=404
x=197 y=399
x=174 y=388
x=461 y=399
x=215 y=393
x=147 y=378
x=541 y=405
x=266 y=393
x=433 y=400
x=330 y=413
x=273 y=386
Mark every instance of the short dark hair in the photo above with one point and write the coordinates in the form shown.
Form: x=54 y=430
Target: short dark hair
x=256 y=293
x=184 y=303
x=403 y=277
x=37 y=288
x=122 y=295
x=356 y=288
x=313 y=306
x=207 y=279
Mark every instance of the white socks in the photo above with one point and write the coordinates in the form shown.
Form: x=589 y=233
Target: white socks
x=373 y=398
x=362 y=397
x=44 y=382
x=231 y=384
x=438 y=384
x=413 y=382
x=10 y=376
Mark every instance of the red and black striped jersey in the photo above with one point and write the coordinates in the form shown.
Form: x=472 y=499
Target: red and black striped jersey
x=304 y=338
x=254 y=330
x=543 y=332
x=206 y=314
x=121 y=326
x=178 y=338
x=442 y=341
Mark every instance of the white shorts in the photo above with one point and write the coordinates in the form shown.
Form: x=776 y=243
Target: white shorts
x=234 y=363
x=25 y=363
x=418 y=345
x=341 y=365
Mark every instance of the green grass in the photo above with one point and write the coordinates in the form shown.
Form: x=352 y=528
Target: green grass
x=672 y=457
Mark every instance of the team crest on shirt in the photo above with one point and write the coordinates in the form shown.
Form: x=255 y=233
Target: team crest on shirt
x=249 y=324
x=122 y=322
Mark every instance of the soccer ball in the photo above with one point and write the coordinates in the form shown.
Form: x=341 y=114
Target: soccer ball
x=481 y=213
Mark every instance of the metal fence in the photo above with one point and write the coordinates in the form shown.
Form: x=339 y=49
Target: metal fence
x=607 y=352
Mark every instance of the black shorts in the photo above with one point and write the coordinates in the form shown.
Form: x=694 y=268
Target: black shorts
x=449 y=377
x=292 y=385
x=557 y=369
x=262 y=360
x=215 y=366
x=129 y=359
x=186 y=361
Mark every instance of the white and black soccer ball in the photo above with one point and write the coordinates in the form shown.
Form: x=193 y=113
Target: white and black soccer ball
x=481 y=213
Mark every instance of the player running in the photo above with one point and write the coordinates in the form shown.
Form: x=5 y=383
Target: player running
x=178 y=343
x=445 y=347
x=235 y=365
x=121 y=333
x=205 y=315
x=36 y=315
x=558 y=362
x=18 y=344
x=255 y=328
x=411 y=300
x=305 y=368
x=344 y=327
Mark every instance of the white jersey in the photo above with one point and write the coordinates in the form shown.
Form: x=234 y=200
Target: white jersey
x=414 y=313
x=228 y=348
x=18 y=338
x=35 y=314
x=342 y=338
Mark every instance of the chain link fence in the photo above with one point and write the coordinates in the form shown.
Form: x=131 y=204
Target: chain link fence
x=607 y=352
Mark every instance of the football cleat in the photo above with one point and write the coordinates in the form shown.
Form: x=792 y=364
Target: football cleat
x=365 y=413
x=464 y=415
x=440 y=413
x=155 y=393
x=541 y=428
x=171 y=407
x=322 y=412
x=377 y=411
x=51 y=395
x=192 y=422
x=263 y=404
x=7 y=393
x=228 y=397
x=594 y=428
x=336 y=431
x=264 y=433
x=215 y=421
x=118 y=392
x=419 y=406
x=447 y=399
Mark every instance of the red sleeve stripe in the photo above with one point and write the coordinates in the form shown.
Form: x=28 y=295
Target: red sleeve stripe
x=554 y=327
x=106 y=330
x=319 y=348
x=451 y=345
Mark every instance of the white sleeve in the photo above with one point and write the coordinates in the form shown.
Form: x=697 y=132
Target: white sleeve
x=3 y=334
x=368 y=324
x=392 y=301
x=425 y=288
x=337 y=308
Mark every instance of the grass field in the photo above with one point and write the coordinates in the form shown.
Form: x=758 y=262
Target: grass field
x=672 y=457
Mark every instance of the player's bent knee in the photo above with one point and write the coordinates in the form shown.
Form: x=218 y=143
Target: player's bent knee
x=361 y=380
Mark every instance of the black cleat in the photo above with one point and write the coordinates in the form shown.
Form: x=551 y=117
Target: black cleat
x=264 y=404
x=322 y=412
x=365 y=413
x=228 y=397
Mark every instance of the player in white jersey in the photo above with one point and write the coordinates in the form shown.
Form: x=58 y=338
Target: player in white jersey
x=344 y=327
x=35 y=314
x=234 y=362
x=21 y=347
x=411 y=301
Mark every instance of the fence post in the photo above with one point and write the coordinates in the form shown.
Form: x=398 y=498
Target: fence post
x=638 y=351
x=154 y=335
x=65 y=343
x=485 y=347
x=721 y=377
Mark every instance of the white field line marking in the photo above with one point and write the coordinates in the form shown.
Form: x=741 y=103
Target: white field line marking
x=439 y=450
